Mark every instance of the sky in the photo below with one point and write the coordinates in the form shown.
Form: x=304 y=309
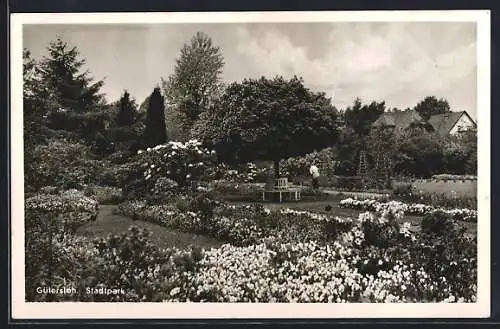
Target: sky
x=397 y=62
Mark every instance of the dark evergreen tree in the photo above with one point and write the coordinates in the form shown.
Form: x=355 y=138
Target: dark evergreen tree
x=71 y=86
x=127 y=112
x=156 y=131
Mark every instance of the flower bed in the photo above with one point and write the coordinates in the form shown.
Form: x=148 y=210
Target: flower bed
x=416 y=209
x=374 y=259
x=238 y=224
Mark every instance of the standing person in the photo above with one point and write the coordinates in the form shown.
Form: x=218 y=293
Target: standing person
x=314 y=171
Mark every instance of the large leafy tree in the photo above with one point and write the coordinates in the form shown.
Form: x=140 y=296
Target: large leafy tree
x=195 y=83
x=431 y=106
x=155 y=132
x=268 y=119
x=72 y=86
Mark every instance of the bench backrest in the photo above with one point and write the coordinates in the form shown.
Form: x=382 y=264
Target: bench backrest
x=281 y=183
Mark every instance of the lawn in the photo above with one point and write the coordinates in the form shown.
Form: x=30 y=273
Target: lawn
x=110 y=223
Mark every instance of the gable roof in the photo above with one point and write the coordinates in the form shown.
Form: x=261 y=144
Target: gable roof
x=399 y=120
x=443 y=123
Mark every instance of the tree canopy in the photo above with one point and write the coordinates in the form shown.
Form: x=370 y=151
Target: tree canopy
x=431 y=106
x=360 y=117
x=268 y=119
x=73 y=88
x=195 y=83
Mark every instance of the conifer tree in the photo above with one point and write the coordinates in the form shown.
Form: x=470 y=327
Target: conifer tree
x=127 y=113
x=156 y=131
x=72 y=87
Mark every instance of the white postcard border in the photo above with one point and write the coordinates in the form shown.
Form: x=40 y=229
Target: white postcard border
x=65 y=310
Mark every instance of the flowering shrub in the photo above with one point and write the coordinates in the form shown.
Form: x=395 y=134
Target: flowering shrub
x=184 y=163
x=243 y=173
x=469 y=215
x=232 y=189
x=299 y=166
x=64 y=202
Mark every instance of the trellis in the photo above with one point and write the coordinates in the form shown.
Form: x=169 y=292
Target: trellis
x=363 y=168
x=383 y=169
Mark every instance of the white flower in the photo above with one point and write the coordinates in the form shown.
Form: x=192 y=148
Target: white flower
x=175 y=291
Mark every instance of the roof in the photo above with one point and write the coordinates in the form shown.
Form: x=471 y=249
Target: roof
x=443 y=123
x=400 y=119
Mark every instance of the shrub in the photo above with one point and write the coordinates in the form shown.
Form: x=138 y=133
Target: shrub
x=51 y=251
x=401 y=190
x=104 y=194
x=184 y=163
x=141 y=270
x=60 y=163
x=349 y=183
x=438 y=223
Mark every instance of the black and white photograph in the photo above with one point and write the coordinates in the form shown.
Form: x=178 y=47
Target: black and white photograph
x=236 y=165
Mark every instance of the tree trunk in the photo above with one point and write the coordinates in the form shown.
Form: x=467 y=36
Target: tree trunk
x=276 y=169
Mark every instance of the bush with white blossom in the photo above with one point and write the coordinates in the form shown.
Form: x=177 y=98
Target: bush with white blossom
x=417 y=209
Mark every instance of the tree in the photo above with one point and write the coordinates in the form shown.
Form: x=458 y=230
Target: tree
x=127 y=110
x=419 y=154
x=431 y=106
x=360 y=117
x=268 y=119
x=196 y=81
x=155 y=132
x=73 y=89
x=36 y=101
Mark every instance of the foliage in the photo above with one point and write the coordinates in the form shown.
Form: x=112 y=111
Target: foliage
x=73 y=89
x=104 y=194
x=431 y=106
x=437 y=200
x=60 y=163
x=184 y=163
x=155 y=132
x=241 y=173
x=360 y=117
x=325 y=159
x=127 y=110
x=349 y=183
x=419 y=154
x=50 y=250
x=136 y=268
x=268 y=119
x=195 y=84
